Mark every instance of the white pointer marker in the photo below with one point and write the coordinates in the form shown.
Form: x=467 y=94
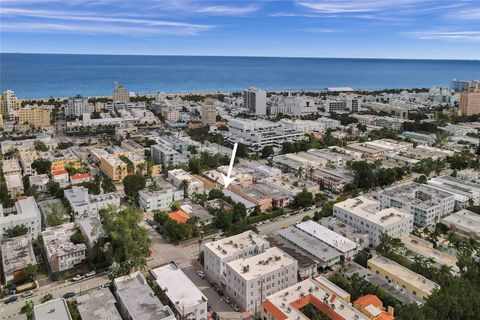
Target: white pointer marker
x=227 y=179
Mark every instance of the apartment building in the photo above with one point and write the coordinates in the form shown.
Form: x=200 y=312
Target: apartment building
x=85 y=205
x=470 y=100
x=343 y=102
x=335 y=180
x=255 y=100
x=326 y=297
x=11 y=167
x=133 y=147
x=250 y=279
x=366 y=215
x=98 y=305
x=56 y=309
x=345 y=246
x=183 y=294
x=25 y=213
x=34 y=117
x=9 y=102
x=137 y=301
x=39 y=181
x=349 y=232
x=257 y=134
x=113 y=167
x=77 y=106
x=465 y=223
x=182 y=179
x=167 y=156
x=465 y=192
x=17 y=253
x=209 y=112
x=160 y=197
x=27 y=144
x=120 y=94
x=60 y=251
x=427 y=204
x=14 y=185
x=397 y=274
x=220 y=252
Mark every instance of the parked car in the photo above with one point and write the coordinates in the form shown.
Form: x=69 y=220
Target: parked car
x=69 y=295
x=27 y=294
x=235 y=307
x=201 y=274
x=90 y=274
x=77 y=277
x=227 y=299
x=209 y=307
x=215 y=316
x=220 y=293
x=11 y=299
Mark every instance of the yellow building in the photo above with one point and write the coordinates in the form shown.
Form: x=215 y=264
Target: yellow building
x=34 y=117
x=407 y=279
x=9 y=102
x=470 y=100
x=60 y=164
x=113 y=167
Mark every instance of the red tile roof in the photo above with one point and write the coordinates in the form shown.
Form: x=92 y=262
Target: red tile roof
x=273 y=310
x=180 y=216
x=80 y=176
x=58 y=172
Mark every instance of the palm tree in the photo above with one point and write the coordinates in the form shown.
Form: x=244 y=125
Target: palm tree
x=300 y=172
x=185 y=183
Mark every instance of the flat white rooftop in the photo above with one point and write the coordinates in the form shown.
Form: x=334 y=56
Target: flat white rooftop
x=181 y=291
x=328 y=236
x=464 y=220
x=230 y=246
x=256 y=266
x=56 y=309
x=425 y=248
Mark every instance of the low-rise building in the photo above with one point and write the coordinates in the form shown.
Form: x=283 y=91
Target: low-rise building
x=11 y=167
x=345 y=246
x=250 y=279
x=79 y=178
x=159 y=196
x=336 y=180
x=349 y=232
x=98 y=305
x=56 y=309
x=410 y=281
x=167 y=156
x=17 y=253
x=113 y=167
x=319 y=293
x=420 y=137
x=91 y=230
x=371 y=306
x=60 y=176
x=365 y=214
x=465 y=192
x=84 y=204
x=220 y=252
x=181 y=179
x=39 y=181
x=14 y=185
x=427 y=204
x=196 y=210
x=464 y=222
x=137 y=301
x=61 y=253
x=25 y=213
x=188 y=300
x=133 y=147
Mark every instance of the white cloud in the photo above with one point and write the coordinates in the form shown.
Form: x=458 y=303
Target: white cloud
x=447 y=35
x=466 y=14
x=348 y=6
x=227 y=10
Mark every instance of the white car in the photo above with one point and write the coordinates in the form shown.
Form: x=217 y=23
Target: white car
x=77 y=278
x=227 y=299
x=235 y=307
x=201 y=274
x=90 y=274
x=27 y=294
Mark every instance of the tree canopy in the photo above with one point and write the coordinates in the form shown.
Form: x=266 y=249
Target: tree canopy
x=132 y=184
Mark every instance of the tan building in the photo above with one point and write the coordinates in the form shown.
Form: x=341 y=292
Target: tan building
x=399 y=275
x=9 y=102
x=120 y=94
x=209 y=113
x=470 y=100
x=34 y=117
x=113 y=167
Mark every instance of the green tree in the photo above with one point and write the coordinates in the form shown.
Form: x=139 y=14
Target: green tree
x=267 y=151
x=46 y=298
x=40 y=146
x=215 y=194
x=242 y=150
x=16 y=231
x=41 y=165
x=27 y=309
x=77 y=238
x=54 y=189
x=29 y=271
x=175 y=206
x=108 y=185
x=92 y=187
x=388 y=244
x=303 y=199
x=132 y=184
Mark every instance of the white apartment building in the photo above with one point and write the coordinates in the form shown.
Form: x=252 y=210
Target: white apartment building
x=137 y=301
x=218 y=253
x=345 y=246
x=303 y=125
x=291 y=105
x=427 y=204
x=77 y=106
x=257 y=134
x=25 y=213
x=465 y=192
x=365 y=214
x=27 y=144
x=61 y=253
x=160 y=198
x=255 y=100
x=329 y=123
x=193 y=185
x=14 y=185
x=167 y=156
x=184 y=295
x=343 y=103
x=86 y=205
x=11 y=167
x=250 y=280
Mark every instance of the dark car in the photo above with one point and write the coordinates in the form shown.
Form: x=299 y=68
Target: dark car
x=69 y=295
x=215 y=316
x=11 y=299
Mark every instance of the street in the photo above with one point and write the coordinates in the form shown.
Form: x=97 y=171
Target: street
x=57 y=290
x=284 y=222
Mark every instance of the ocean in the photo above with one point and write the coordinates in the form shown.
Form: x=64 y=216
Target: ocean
x=61 y=75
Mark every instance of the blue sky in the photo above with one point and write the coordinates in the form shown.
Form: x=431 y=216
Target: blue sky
x=432 y=29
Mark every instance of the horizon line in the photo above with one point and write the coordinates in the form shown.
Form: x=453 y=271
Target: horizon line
x=236 y=56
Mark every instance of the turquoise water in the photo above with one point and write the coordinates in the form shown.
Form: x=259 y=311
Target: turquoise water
x=45 y=75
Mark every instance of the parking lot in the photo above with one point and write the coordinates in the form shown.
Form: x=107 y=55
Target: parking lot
x=217 y=303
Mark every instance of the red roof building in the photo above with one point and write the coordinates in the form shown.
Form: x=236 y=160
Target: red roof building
x=371 y=306
x=180 y=216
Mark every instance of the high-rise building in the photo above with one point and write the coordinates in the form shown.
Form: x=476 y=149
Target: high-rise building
x=9 y=102
x=209 y=113
x=77 y=106
x=255 y=100
x=34 y=117
x=120 y=94
x=470 y=100
x=459 y=85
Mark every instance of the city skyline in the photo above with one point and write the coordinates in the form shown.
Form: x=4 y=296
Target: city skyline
x=403 y=29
